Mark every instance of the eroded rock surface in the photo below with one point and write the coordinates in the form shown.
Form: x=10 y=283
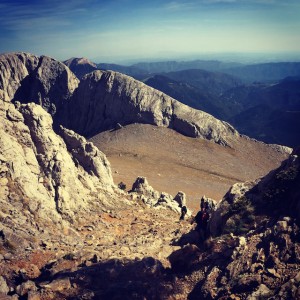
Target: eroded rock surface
x=106 y=98
x=27 y=78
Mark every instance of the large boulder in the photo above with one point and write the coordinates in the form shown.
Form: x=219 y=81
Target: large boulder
x=141 y=190
x=88 y=156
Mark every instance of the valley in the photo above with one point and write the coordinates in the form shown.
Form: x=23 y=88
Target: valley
x=172 y=162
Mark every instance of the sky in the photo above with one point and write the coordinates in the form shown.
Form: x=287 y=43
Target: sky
x=124 y=30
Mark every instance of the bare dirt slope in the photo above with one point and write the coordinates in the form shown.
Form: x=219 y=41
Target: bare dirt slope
x=173 y=162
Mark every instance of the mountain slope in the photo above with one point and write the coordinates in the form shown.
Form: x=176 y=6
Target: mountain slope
x=200 y=93
x=268 y=112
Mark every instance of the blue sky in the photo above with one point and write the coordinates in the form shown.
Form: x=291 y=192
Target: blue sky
x=119 y=30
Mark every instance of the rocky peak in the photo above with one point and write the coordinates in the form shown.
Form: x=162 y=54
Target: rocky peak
x=57 y=179
x=80 y=66
x=43 y=80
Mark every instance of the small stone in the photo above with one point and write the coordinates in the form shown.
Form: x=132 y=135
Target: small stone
x=262 y=292
x=25 y=287
x=58 y=285
x=273 y=272
x=4 y=289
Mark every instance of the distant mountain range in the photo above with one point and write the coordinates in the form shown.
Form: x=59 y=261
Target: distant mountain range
x=260 y=100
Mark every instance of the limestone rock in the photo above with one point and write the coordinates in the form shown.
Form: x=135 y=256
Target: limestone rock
x=26 y=287
x=4 y=289
x=153 y=198
x=43 y=80
x=37 y=162
x=266 y=194
x=142 y=188
x=88 y=156
x=105 y=98
x=14 y=68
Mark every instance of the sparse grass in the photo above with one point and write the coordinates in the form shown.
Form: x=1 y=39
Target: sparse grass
x=289 y=174
x=241 y=217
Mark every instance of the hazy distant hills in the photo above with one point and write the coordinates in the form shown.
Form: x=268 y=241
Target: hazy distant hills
x=270 y=113
x=128 y=70
x=172 y=66
x=267 y=112
x=265 y=72
x=198 y=92
x=213 y=82
x=262 y=72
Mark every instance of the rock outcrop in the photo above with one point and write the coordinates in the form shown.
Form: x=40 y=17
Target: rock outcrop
x=35 y=162
x=256 y=248
x=141 y=190
x=275 y=194
x=43 y=80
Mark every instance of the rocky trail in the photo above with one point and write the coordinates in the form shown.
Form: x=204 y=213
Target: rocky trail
x=128 y=245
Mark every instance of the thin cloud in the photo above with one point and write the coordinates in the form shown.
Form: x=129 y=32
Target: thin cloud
x=178 y=6
x=18 y=16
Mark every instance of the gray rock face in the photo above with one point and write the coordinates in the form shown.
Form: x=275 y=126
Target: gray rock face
x=14 y=68
x=101 y=100
x=35 y=162
x=275 y=194
x=106 y=98
x=43 y=80
x=88 y=156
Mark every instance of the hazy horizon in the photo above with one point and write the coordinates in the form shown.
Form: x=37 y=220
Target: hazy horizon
x=126 y=31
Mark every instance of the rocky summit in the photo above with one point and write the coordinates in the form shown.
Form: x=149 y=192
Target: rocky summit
x=67 y=231
x=80 y=66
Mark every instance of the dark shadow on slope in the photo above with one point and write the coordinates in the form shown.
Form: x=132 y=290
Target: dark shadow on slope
x=115 y=279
